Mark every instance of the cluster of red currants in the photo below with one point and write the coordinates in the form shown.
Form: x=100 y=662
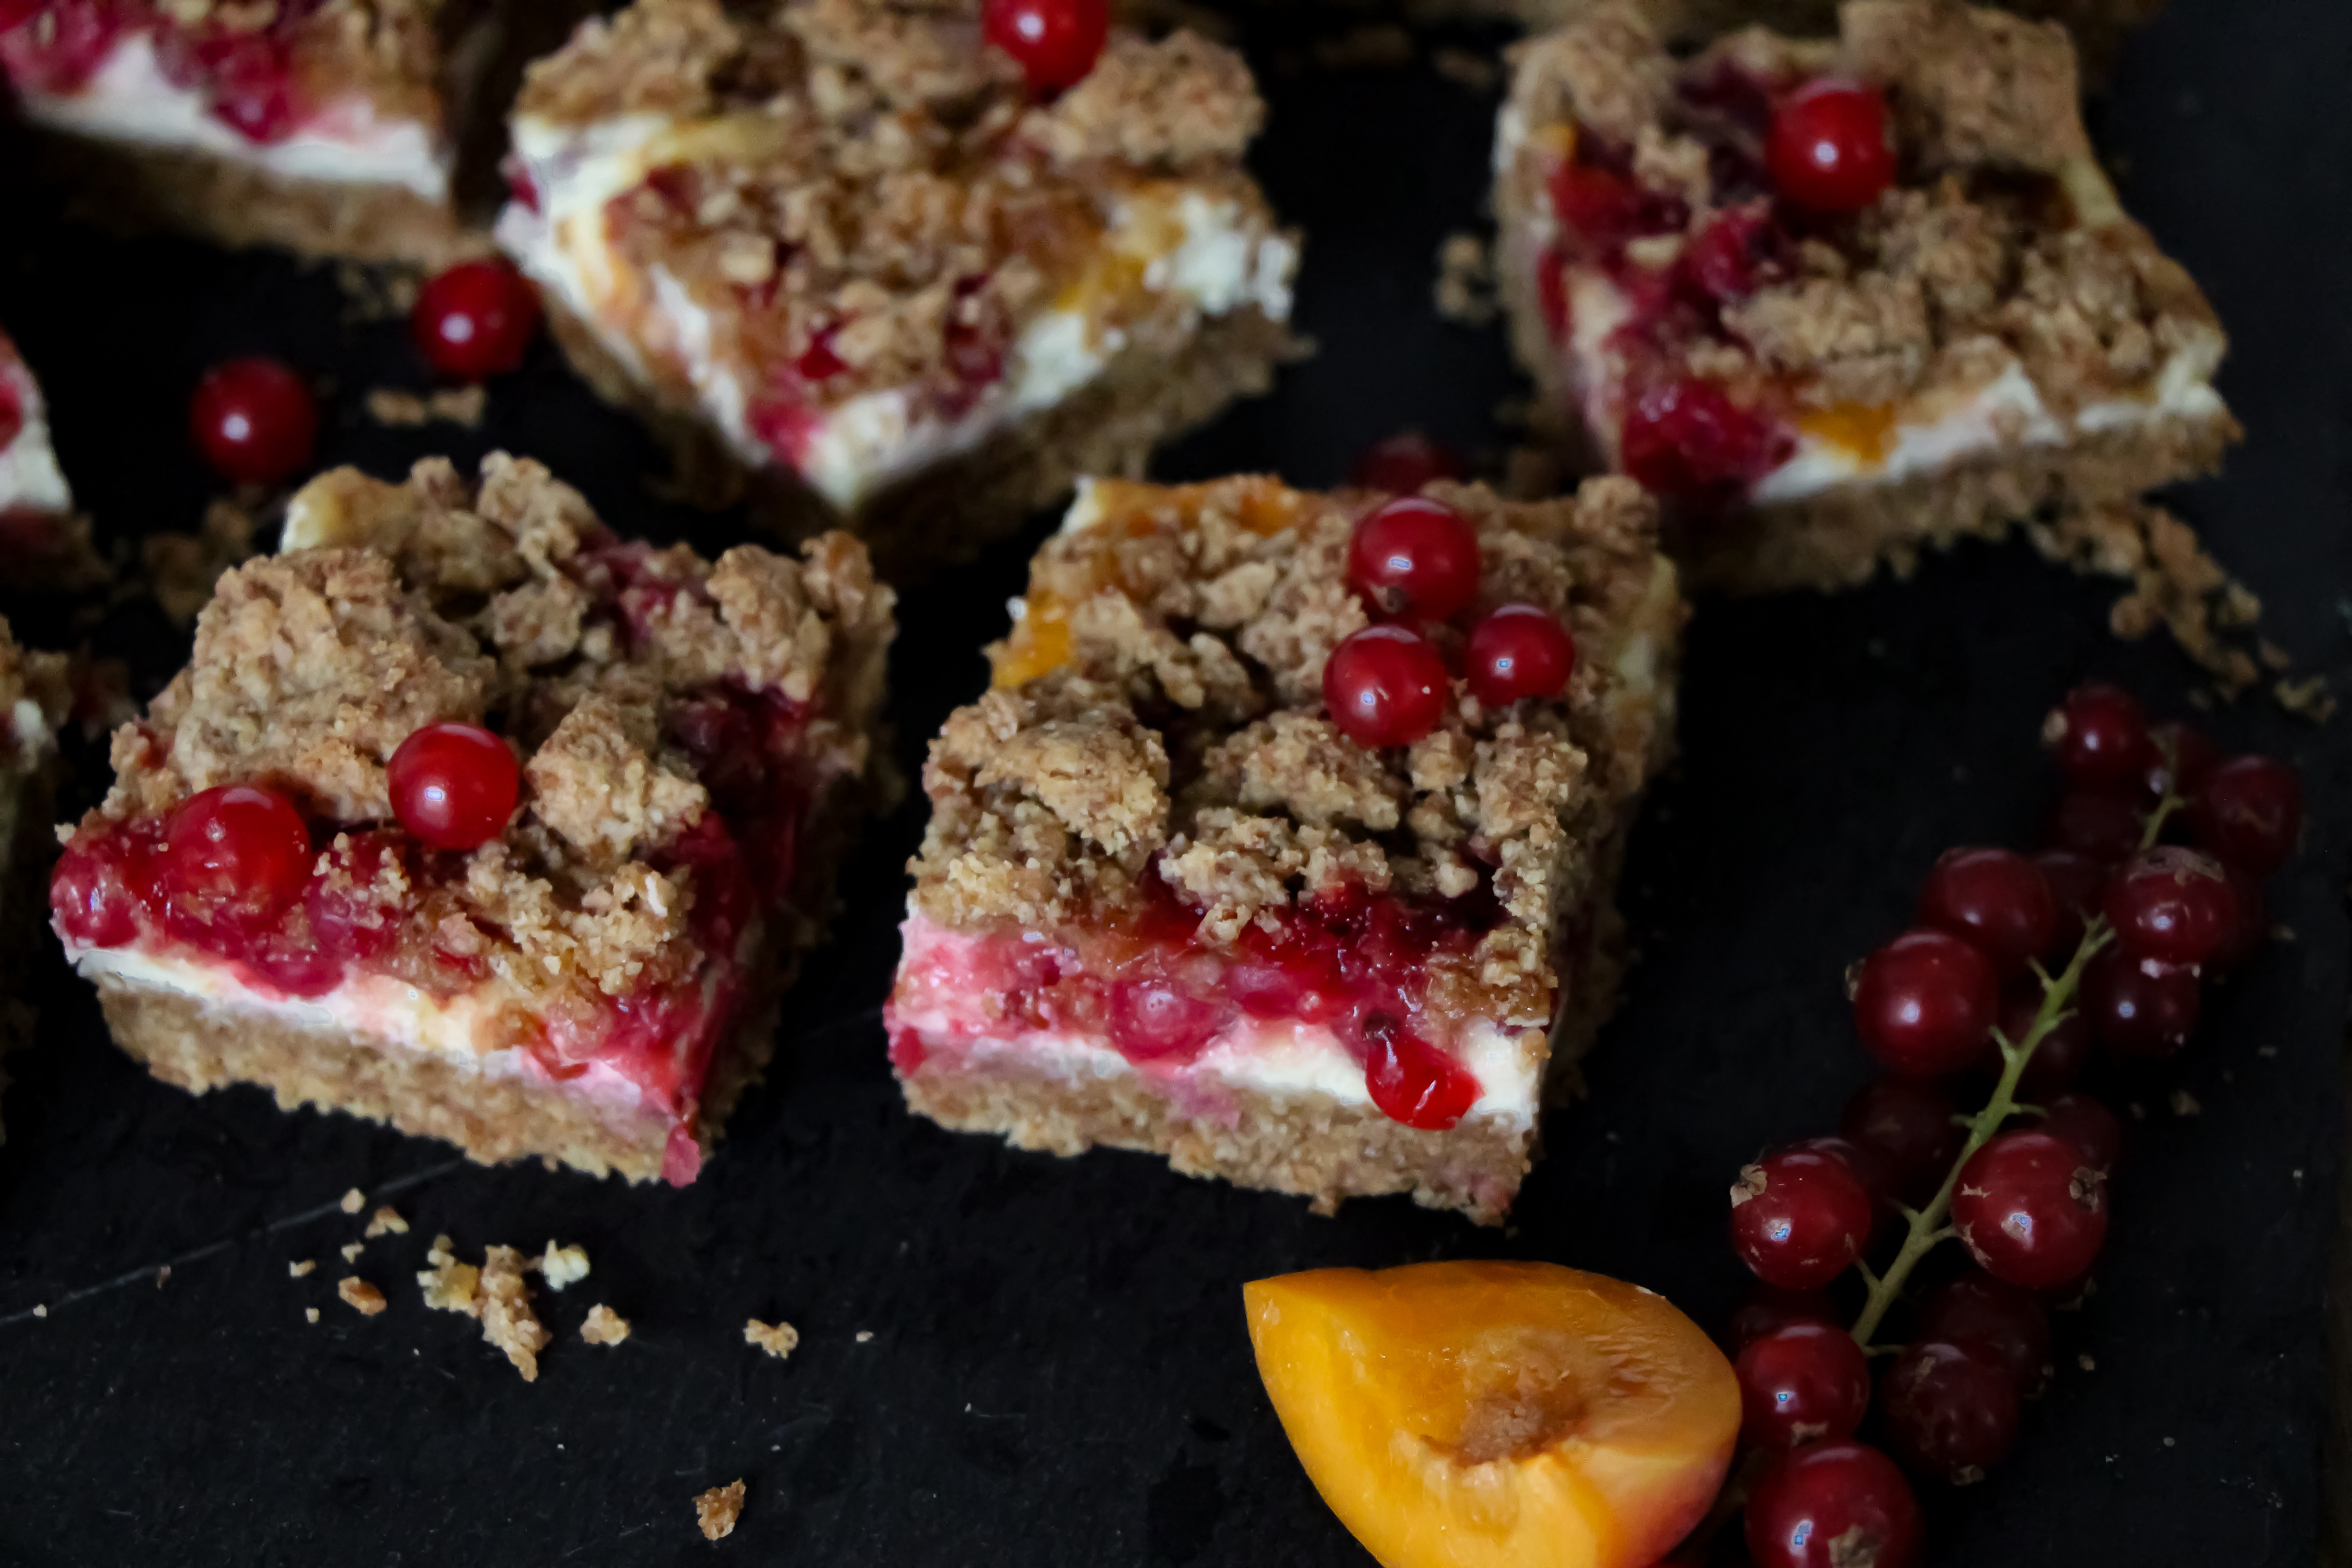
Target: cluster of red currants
x=2135 y=922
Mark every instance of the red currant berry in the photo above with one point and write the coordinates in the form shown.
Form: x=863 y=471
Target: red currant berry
x=2174 y=905
x=1056 y=42
x=234 y=858
x=2100 y=738
x=104 y=883
x=2102 y=827
x=1414 y=560
x=2030 y=1210
x=1518 y=650
x=2193 y=759
x=1403 y=463
x=1801 y=1383
x=474 y=319
x=1772 y=1308
x=1950 y=1411
x=2087 y=1124
x=1690 y=439
x=2007 y=1321
x=1837 y=1504
x=1912 y=1125
x=1385 y=687
x=2140 y=1007
x=1996 y=899
x=1415 y=1083
x=254 y=420
x=1869 y=1166
x=1925 y=1002
x=1799 y=1218
x=2252 y=813
x=1829 y=147
x=454 y=786
x=2064 y=1052
x=2077 y=884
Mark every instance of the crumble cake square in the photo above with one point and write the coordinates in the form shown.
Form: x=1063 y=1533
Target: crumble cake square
x=1953 y=329
x=2097 y=26
x=836 y=253
x=359 y=128
x=1166 y=903
x=470 y=817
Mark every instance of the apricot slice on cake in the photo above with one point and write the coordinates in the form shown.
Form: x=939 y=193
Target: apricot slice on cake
x=1463 y=1415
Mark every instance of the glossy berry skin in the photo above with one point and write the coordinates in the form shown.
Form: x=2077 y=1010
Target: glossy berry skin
x=474 y=320
x=235 y=857
x=1800 y=1384
x=1403 y=463
x=1949 y=1410
x=2004 y=1320
x=1800 y=1218
x=1691 y=440
x=2099 y=737
x=2064 y=1052
x=2087 y=1124
x=254 y=420
x=454 y=786
x=1056 y=42
x=1829 y=147
x=1868 y=1165
x=2030 y=1210
x=1996 y=899
x=2104 y=828
x=1415 y=1083
x=1385 y=687
x=1910 y=1125
x=2140 y=1008
x=1414 y=560
x=2251 y=812
x=1769 y=1307
x=1837 y=1504
x=2077 y=883
x=1518 y=651
x=1925 y=1003
x=2173 y=905
x=2193 y=761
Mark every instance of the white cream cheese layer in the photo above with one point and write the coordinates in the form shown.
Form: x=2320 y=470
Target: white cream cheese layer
x=129 y=98
x=1208 y=253
x=30 y=480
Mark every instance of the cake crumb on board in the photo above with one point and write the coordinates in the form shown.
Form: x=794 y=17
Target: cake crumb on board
x=309 y=1314
x=354 y=1201
x=448 y=404
x=351 y=1250
x=297 y=1268
x=717 y=1510
x=495 y=1292
x=604 y=1326
x=779 y=1339
x=560 y=1266
x=386 y=1219
x=360 y=1296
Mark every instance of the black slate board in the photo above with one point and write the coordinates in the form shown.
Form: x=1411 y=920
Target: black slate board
x=1057 y=1370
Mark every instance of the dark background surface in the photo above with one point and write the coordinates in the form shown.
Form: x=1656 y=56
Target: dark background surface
x=1058 y=1371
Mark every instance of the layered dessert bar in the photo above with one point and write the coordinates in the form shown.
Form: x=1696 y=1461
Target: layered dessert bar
x=2095 y=26
x=44 y=542
x=1837 y=300
x=334 y=127
x=1285 y=843
x=470 y=817
x=34 y=698
x=846 y=251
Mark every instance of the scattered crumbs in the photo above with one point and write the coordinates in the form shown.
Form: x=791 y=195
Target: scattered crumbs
x=2185 y=1103
x=864 y=1336
x=560 y=1266
x=718 y=1509
x=354 y=1201
x=309 y=1314
x=2306 y=698
x=448 y=404
x=2085 y=1363
x=2266 y=1051
x=2296 y=1173
x=386 y=1218
x=2272 y=656
x=779 y=1339
x=1464 y=290
x=297 y=1268
x=162 y=1275
x=1373 y=47
x=182 y=568
x=605 y=1326
x=351 y=1250
x=2168 y=1442
x=41 y=1310
x=360 y=1296
x=495 y=1293
x=2139 y=1112
x=1464 y=68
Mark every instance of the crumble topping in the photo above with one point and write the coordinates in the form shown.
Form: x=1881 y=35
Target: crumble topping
x=385 y=1221
x=717 y=1510
x=360 y=1296
x=779 y=1339
x=562 y=1265
x=353 y=1201
x=604 y=1326
x=496 y=1292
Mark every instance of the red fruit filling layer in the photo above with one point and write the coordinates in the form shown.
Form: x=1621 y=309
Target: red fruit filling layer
x=248 y=79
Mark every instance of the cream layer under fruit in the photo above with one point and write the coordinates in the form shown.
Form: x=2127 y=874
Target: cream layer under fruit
x=30 y=481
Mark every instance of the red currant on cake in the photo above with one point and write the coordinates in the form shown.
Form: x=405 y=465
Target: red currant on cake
x=234 y=856
x=2031 y=1209
x=1385 y=687
x=454 y=786
x=254 y=419
x=1925 y=1002
x=2100 y=738
x=1800 y=1384
x=1402 y=464
x=1800 y=1218
x=1951 y=1410
x=474 y=320
x=1414 y=560
x=1056 y=42
x=2173 y=905
x=1515 y=651
x=1833 y=1505
x=1413 y=1081
x=1829 y=147
x=2251 y=812
x=1998 y=900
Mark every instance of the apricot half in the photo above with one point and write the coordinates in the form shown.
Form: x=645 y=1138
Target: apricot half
x=1467 y=1415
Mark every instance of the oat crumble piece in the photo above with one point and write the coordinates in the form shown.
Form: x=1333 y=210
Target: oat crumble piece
x=503 y=1303
x=353 y=1201
x=351 y=1250
x=360 y=1296
x=562 y=1265
x=779 y=1339
x=300 y=1268
x=448 y=404
x=717 y=1510
x=385 y=1221
x=450 y=1286
x=604 y=1326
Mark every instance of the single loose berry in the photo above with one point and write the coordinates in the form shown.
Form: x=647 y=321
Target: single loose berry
x=1799 y=1218
x=454 y=786
x=2077 y=883
x=1830 y=147
x=2141 y=1008
x=2087 y=1124
x=1414 y=560
x=2064 y=1052
x=2004 y=1320
x=2100 y=738
x=1912 y=1125
x=2103 y=827
x=1800 y=1384
x=1415 y=1083
x=1768 y=1307
x=1998 y=900
x=2193 y=761
x=2171 y=904
x=1385 y=687
x=1837 y=1504
x=254 y=420
x=1951 y=1410
x=234 y=858
x=2031 y=1209
x=2251 y=814
x=1056 y=42
x=1515 y=651
x=1403 y=463
x=1925 y=1002
x=474 y=319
